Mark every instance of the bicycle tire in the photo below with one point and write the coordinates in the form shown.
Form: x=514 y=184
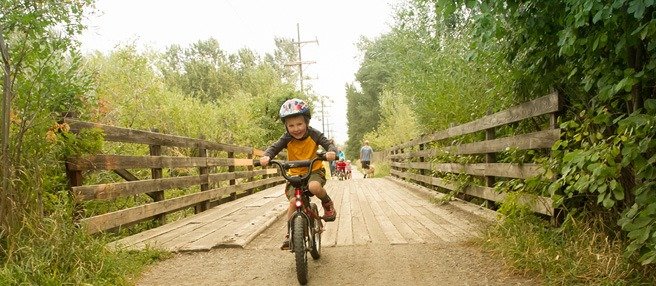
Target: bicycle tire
x=299 y=247
x=315 y=231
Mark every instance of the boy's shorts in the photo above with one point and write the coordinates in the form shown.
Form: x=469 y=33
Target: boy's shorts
x=318 y=176
x=365 y=164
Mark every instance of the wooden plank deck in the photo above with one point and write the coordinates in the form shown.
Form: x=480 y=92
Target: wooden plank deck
x=369 y=211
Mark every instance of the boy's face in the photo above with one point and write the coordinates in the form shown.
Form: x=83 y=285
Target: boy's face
x=296 y=126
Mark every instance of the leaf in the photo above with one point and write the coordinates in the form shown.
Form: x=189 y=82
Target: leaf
x=648 y=257
x=618 y=193
x=637 y=8
x=639 y=222
x=650 y=105
x=608 y=202
x=597 y=16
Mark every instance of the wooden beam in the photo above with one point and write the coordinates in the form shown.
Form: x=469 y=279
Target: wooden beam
x=126 y=216
x=114 y=162
x=119 y=134
x=506 y=170
x=536 y=140
x=537 y=204
x=122 y=189
x=543 y=105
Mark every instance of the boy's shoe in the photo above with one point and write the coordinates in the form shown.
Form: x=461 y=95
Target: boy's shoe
x=329 y=213
x=285 y=244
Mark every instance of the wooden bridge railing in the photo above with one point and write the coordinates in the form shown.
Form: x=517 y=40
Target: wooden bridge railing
x=417 y=161
x=223 y=170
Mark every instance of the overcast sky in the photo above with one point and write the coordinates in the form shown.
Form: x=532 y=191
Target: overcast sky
x=337 y=25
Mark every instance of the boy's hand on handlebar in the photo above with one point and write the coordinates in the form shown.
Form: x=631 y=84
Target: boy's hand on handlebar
x=330 y=156
x=264 y=161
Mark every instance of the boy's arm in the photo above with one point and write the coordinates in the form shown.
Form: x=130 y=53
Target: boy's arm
x=276 y=147
x=321 y=139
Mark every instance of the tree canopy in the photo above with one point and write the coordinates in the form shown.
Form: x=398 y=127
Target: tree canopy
x=448 y=62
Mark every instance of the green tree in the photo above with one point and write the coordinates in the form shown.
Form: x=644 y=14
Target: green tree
x=42 y=80
x=599 y=56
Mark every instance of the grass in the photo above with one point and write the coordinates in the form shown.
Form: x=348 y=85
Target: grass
x=55 y=252
x=575 y=253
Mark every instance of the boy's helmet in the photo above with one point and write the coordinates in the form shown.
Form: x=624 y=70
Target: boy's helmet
x=293 y=107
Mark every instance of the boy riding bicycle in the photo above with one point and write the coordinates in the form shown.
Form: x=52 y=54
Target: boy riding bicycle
x=302 y=142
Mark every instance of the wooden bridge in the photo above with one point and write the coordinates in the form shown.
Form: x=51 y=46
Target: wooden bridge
x=233 y=202
x=370 y=211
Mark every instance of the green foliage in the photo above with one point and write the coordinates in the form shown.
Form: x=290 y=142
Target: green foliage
x=45 y=80
x=426 y=63
x=576 y=253
x=52 y=251
x=599 y=56
x=639 y=154
x=87 y=141
x=398 y=118
x=236 y=117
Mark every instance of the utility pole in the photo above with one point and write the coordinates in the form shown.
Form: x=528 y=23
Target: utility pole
x=323 y=101
x=300 y=61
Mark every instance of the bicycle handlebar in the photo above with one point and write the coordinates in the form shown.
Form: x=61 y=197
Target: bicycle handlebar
x=286 y=165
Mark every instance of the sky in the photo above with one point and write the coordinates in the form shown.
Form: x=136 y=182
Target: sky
x=336 y=25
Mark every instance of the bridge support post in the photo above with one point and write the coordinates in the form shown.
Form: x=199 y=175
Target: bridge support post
x=422 y=147
x=204 y=173
x=250 y=169
x=74 y=180
x=156 y=173
x=490 y=158
x=231 y=169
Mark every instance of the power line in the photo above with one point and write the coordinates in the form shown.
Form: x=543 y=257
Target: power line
x=300 y=61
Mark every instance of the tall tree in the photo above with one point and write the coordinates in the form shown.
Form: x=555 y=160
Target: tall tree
x=41 y=67
x=599 y=56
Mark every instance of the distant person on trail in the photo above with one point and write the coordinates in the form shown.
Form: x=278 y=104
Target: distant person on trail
x=365 y=157
x=348 y=169
x=340 y=154
x=302 y=142
x=333 y=169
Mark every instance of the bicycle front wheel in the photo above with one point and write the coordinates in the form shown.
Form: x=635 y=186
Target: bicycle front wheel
x=299 y=247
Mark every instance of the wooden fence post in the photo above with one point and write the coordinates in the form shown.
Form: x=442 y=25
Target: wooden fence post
x=392 y=160
x=74 y=179
x=203 y=171
x=156 y=173
x=422 y=147
x=250 y=168
x=490 y=157
x=231 y=169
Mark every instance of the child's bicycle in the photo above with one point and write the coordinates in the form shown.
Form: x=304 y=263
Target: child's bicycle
x=341 y=175
x=305 y=225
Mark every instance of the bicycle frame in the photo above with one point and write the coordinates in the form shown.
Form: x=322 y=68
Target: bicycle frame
x=305 y=225
x=302 y=196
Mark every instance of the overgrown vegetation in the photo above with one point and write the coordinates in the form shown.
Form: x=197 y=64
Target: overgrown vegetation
x=52 y=251
x=233 y=98
x=453 y=61
x=580 y=252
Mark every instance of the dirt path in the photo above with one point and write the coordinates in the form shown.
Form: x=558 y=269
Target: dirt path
x=262 y=263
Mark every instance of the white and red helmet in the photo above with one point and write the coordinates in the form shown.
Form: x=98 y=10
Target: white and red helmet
x=293 y=107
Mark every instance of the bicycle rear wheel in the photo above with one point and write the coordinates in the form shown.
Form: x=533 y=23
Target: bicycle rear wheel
x=315 y=231
x=299 y=247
